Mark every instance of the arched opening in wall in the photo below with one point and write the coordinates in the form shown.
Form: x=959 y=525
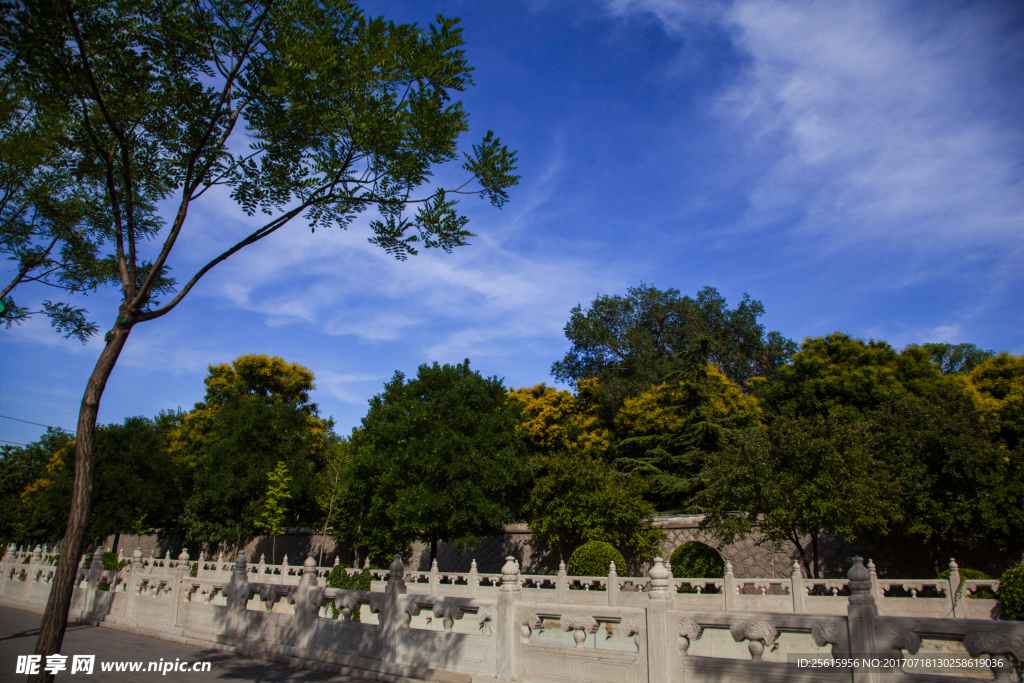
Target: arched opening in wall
x=696 y=560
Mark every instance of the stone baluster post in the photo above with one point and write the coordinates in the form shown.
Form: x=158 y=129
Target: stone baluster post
x=307 y=605
x=613 y=585
x=861 y=615
x=95 y=577
x=797 y=589
x=957 y=607
x=37 y=555
x=9 y=555
x=261 y=568
x=432 y=586
x=237 y=594
x=658 y=603
x=134 y=578
x=729 y=588
x=561 y=585
x=390 y=618
x=474 y=579
x=876 y=591
x=181 y=576
x=508 y=595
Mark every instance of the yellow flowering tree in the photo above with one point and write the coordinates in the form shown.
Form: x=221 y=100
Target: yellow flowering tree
x=256 y=414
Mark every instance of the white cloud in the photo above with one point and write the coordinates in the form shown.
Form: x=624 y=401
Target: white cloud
x=874 y=124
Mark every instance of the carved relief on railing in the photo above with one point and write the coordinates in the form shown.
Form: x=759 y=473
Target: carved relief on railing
x=688 y=631
x=528 y=622
x=759 y=632
x=346 y=602
x=485 y=617
x=409 y=608
x=826 y=633
x=449 y=610
x=905 y=639
x=580 y=624
x=994 y=643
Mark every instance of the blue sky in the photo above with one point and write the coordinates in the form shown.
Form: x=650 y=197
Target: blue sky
x=858 y=167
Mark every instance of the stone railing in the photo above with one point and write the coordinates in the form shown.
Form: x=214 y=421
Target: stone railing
x=513 y=627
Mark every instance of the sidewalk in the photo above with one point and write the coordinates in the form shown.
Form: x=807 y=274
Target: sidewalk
x=18 y=631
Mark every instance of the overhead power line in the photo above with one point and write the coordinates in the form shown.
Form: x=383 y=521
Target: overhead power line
x=15 y=443
x=38 y=424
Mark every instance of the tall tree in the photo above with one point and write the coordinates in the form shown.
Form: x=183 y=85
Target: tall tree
x=437 y=458
x=630 y=342
x=134 y=487
x=340 y=114
x=666 y=433
x=577 y=498
x=256 y=416
x=804 y=477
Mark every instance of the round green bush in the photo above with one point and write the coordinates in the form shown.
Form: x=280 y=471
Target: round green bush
x=968 y=574
x=1011 y=593
x=593 y=558
x=697 y=561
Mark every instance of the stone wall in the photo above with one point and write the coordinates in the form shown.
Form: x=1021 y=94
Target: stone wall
x=752 y=557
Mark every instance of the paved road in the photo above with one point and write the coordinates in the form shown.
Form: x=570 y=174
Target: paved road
x=18 y=631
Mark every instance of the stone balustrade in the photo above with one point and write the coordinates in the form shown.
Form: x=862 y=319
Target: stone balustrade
x=515 y=627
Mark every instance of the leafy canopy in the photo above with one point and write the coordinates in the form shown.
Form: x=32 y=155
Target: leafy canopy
x=256 y=420
x=629 y=342
x=437 y=458
x=665 y=433
x=803 y=477
x=294 y=108
x=838 y=372
x=577 y=498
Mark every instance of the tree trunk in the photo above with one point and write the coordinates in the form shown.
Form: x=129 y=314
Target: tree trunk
x=117 y=539
x=814 y=547
x=55 y=616
x=795 y=537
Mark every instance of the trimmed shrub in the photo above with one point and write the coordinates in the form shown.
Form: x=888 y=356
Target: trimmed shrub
x=1011 y=593
x=593 y=559
x=968 y=574
x=696 y=560
x=194 y=570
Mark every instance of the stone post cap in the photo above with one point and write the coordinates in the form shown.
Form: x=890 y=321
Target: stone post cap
x=137 y=555
x=611 y=567
x=659 y=576
x=397 y=568
x=433 y=565
x=184 y=556
x=859 y=581
x=953 y=566
x=309 y=570
x=796 y=572
x=728 y=568
x=510 y=575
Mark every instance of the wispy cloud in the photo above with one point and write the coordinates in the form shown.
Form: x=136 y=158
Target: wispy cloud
x=871 y=124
